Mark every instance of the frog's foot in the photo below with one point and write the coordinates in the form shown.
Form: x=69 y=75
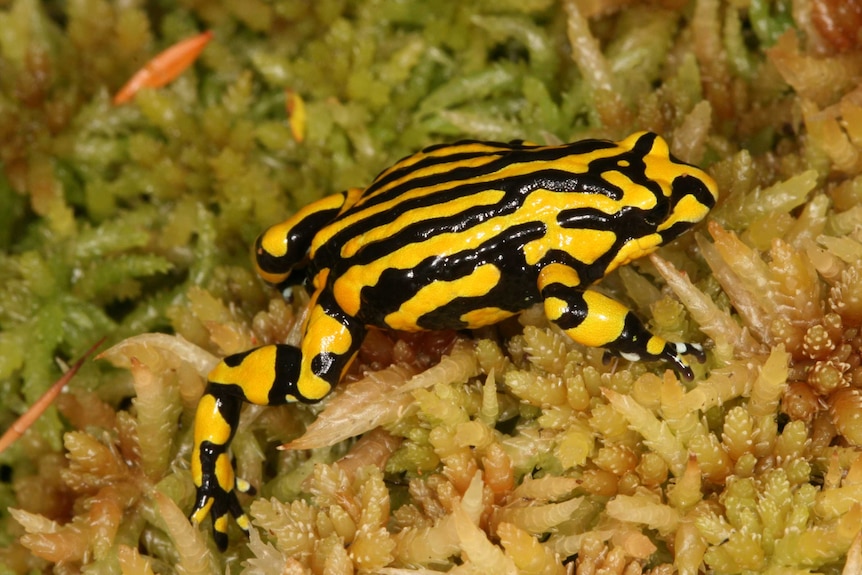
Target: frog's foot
x=670 y=351
x=213 y=499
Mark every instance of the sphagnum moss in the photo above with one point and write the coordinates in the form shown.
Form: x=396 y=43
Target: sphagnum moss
x=521 y=450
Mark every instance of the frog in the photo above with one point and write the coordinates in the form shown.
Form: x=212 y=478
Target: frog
x=457 y=236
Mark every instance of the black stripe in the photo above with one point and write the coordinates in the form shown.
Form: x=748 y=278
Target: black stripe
x=402 y=168
x=515 y=290
x=298 y=241
x=587 y=273
x=236 y=358
x=226 y=397
x=635 y=170
x=645 y=143
x=576 y=310
x=627 y=223
x=324 y=364
x=421 y=230
x=288 y=359
x=398 y=171
x=516 y=189
x=690 y=186
x=633 y=338
x=513 y=293
x=507 y=155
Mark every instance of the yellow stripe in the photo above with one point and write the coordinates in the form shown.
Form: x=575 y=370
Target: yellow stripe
x=603 y=324
x=326 y=334
x=662 y=170
x=270 y=277
x=384 y=207
x=688 y=209
x=655 y=345
x=558 y=273
x=243 y=522
x=199 y=515
x=310 y=386
x=274 y=239
x=584 y=245
x=634 y=249
x=196 y=467
x=440 y=293
x=220 y=524
x=435 y=169
x=347 y=287
x=323 y=334
x=209 y=424
x=574 y=164
x=224 y=472
x=634 y=195
x=255 y=375
x=443 y=152
x=485 y=316
x=444 y=209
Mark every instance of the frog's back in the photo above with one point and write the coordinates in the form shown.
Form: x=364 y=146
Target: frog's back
x=455 y=235
x=451 y=188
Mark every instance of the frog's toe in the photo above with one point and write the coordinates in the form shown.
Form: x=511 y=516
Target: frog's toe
x=245 y=487
x=224 y=506
x=202 y=508
x=696 y=350
x=673 y=353
x=221 y=505
x=685 y=371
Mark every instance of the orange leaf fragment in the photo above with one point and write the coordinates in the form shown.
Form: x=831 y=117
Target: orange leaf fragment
x=24 y=422
x=165 y=66
x=30 y=416
x=296 y=111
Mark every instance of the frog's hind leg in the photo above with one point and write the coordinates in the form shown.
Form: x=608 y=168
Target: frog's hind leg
x=268 y=375
x=280 y=252
x=596 y=320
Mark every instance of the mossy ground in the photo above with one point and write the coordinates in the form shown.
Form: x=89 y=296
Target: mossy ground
x=123 y=220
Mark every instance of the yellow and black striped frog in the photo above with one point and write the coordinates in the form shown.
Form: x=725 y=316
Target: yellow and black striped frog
x=457 y=236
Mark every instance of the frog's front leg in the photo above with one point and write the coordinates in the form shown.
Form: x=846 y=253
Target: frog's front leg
x=268 y=375
x=596 y=320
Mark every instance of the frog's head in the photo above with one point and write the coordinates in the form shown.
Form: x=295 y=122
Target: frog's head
x=690 y=192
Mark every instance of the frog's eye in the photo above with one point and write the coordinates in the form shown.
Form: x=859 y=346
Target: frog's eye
x=692 y=198
x=703 y=189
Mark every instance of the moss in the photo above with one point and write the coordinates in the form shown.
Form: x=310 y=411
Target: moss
x=122 y=220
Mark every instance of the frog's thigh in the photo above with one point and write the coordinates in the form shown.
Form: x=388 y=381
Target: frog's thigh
x=592 y=318
x=278 y=373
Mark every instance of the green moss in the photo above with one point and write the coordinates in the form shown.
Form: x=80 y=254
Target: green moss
x=111 y=215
